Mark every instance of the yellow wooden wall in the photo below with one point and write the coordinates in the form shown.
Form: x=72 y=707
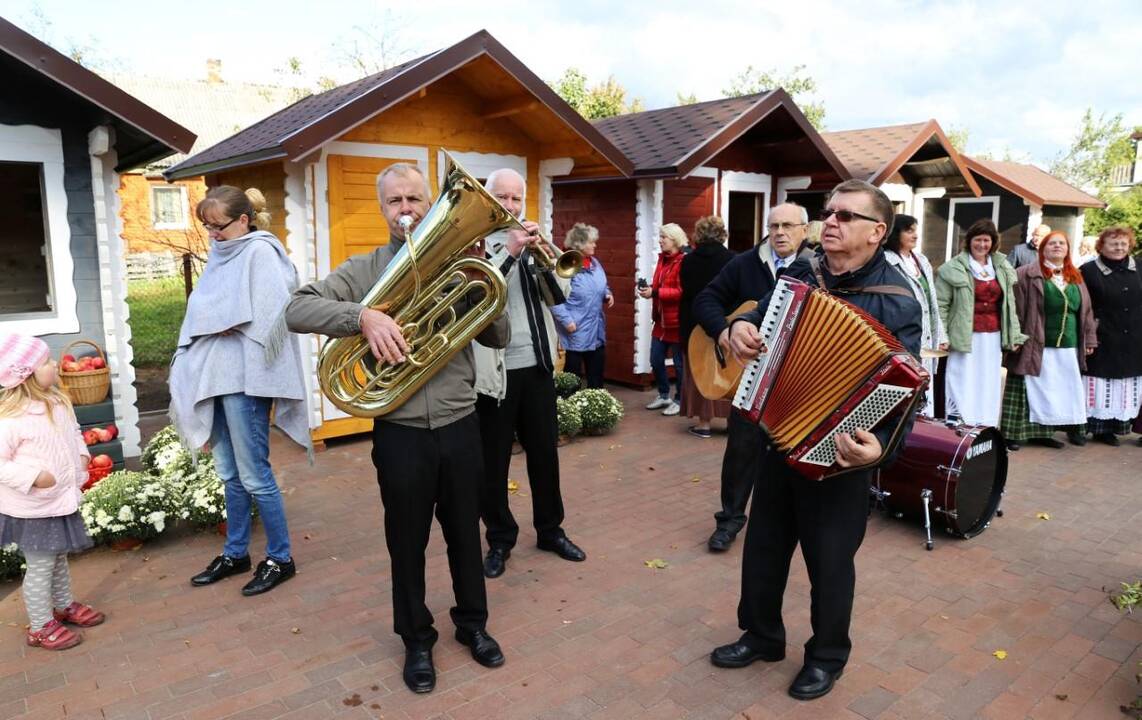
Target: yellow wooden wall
x=270 y=179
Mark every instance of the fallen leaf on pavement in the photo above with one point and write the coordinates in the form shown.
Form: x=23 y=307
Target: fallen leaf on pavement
x=1043 y=516
x=1000 y=654
x=657 y=564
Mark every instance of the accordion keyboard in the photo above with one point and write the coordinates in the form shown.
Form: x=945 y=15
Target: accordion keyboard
x=776 y=314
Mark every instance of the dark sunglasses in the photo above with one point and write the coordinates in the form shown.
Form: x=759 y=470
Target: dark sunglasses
x=218 y=228
x=845 y=216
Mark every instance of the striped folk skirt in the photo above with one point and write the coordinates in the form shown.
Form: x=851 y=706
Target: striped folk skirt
x=1016 y=422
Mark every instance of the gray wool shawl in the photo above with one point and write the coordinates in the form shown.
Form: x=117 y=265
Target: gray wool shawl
x=243 y=292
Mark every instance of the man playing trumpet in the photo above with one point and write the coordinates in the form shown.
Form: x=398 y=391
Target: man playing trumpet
x=424 y=449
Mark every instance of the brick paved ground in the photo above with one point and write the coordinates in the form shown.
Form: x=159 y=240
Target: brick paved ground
x=611 y=638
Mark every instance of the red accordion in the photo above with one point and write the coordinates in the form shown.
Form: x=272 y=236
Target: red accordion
x=829 y=368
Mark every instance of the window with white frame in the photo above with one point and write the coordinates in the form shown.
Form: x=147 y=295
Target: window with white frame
x=37 y=294
x=168 y=207
x=25 y=258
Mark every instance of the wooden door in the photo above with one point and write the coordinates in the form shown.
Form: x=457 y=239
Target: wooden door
x=355 y=222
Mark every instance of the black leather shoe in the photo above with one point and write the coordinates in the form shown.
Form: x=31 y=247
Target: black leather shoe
x=1076 y=438
x=1013 y=446
x=485 y=650
x=221 y=567
x=1046 y=442
x=720 y=541
x=813 y=682
x=564 y=548
x=1108 y=438
x=738 y=655
x=495 y=562
x=419 y=673
x=269 y=575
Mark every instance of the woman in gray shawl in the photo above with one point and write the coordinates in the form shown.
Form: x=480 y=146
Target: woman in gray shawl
x=235 y=359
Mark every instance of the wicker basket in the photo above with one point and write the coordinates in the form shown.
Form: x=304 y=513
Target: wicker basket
x=90 y=386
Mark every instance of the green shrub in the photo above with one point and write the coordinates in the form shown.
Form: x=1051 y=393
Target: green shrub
x=157 y=309
x=11 y=562
x=599 y=410
x=570 y=422
x=567 y=384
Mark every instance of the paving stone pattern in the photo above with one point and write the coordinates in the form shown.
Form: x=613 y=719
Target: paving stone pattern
x=611 y=637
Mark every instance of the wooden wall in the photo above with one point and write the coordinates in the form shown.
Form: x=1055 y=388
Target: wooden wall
x=270 y=179
x=685 y=201
x=610 y=207
x=135 y=210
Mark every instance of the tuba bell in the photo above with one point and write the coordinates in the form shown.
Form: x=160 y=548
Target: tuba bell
x=424 y=289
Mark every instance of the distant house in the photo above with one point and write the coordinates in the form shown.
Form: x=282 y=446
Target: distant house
x=924 y=176
x=66 y=136
x=1023 y=197
x=1129 y=175
x=157 y=215
x=734 y=157
x=317 y=160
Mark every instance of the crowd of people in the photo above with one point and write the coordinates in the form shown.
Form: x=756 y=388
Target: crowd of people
x=1034 y=343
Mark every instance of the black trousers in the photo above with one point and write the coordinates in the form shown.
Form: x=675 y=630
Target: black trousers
x=594 y=360
x=741 y=468
x=424 y=472
x=526 y=412
x=828 y=519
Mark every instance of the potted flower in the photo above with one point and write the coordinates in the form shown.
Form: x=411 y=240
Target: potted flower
x=127 y=507
x=599 y=410
x=570 y=422
x=567 y=384
x=202 y=500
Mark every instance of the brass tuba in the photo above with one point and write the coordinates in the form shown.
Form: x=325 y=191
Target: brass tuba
x=421 y=289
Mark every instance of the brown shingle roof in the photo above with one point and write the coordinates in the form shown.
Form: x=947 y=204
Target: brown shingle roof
x=1032 y=184
x=867 y=151
x=675 y=140
x=160 y=136
x=304 y=126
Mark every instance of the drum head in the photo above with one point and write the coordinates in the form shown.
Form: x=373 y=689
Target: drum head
x=982 y=478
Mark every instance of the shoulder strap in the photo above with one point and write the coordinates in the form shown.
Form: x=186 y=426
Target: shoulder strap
x=815 y=263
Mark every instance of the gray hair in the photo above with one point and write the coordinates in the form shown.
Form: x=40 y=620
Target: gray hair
x=804 y=213
x=506 y=172
x=579 y=236
x=404 y=170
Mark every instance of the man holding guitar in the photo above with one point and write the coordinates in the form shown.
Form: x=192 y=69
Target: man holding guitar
x=744 y=279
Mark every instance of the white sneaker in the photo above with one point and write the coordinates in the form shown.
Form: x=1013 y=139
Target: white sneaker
x=657 y=403
x=672 y=409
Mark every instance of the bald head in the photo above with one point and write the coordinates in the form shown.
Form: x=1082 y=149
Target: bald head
x=509 y=187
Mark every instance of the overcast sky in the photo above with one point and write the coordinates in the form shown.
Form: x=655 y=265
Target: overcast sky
x=1017 y=75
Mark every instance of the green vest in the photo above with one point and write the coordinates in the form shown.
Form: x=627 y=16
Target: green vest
x=1061 y=315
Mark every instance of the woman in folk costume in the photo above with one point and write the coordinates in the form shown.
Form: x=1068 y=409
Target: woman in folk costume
x=1114 y=370
x=900 y=251
x=1045 y=391
x=236 y=359
x=974 y=291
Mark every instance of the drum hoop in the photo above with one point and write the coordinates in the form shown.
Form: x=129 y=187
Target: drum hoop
x=957 y=464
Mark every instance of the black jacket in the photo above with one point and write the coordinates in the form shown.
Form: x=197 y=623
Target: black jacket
x=698 y=269
x=900 y=314
x=743 y=278
x=1116 y=298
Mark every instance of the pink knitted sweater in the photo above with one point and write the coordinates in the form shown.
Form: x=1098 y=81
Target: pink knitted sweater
x=31 y=443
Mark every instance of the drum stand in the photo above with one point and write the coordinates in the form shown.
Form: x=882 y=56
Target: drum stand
x=926 y=498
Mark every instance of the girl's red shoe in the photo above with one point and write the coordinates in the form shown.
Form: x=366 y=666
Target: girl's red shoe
x=79 y=614
x=54 y=636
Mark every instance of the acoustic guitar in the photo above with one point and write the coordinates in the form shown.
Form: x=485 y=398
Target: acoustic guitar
x=716 y=374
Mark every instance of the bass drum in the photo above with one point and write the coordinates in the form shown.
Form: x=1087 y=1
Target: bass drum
x=964 y=467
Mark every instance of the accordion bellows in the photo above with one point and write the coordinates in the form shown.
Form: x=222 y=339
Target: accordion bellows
x=829 y=367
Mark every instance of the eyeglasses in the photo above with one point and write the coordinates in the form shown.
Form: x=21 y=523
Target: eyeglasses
x=784 y=227
x=846 y=216
x=218 y=228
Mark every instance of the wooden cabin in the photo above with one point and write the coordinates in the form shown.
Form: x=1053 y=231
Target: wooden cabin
x=734 y=157
x=66 y=137
x=317 y=160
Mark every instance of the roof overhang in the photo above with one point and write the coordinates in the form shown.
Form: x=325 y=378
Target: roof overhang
x=1030 y=196
x=930 y=130
x=169 y=137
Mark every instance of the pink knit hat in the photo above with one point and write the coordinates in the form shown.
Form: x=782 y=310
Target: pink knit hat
x=20 y=356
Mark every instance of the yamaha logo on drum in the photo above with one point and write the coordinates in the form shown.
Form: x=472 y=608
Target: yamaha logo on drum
x=980 y=449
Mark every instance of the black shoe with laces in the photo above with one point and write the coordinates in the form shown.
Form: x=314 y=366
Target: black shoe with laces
x=269 y=575
x=495 y=562
x=485 y=650
x=219 y=568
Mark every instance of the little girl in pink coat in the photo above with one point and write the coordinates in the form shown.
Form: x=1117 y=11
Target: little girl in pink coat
x=43 y=463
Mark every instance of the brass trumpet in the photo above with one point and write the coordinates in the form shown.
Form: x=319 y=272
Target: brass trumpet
x=564 y=263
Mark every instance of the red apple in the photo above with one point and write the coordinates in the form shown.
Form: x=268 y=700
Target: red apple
x=67 y=358
x=103 y=434
x=101 y=461
x=89 y=437
x=70 y=366
x=113 y=430
x=98 y=363
x=85 y=363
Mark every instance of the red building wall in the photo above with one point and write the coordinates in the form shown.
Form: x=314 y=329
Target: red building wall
x=610 y=207
x=685 y=201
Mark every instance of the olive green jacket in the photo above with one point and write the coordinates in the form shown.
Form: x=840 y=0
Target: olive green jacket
x=955 y=295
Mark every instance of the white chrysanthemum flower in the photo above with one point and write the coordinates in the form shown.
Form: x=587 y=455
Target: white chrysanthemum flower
x=126 y=514
x=158 y=520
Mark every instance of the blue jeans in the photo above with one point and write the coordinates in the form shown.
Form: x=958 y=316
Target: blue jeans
x=658 y=351
x=240 y=442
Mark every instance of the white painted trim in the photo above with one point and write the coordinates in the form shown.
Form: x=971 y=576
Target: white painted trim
x=32 y=144
x=185 y=207
x=993 y=199
x=901 y=193
x=648 y=219
x=733 y=181
x=712 y=173
x=918 y=199
x=549 y=169
x=1034 y=218
x=377 y=150
x=113 y=286
x=482 y=164
x=299 y=237
x=793 y=182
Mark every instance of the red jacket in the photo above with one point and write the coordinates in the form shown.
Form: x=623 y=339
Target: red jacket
x=667 y=286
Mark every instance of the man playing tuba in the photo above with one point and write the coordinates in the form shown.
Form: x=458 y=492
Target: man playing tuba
x=424 y=449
